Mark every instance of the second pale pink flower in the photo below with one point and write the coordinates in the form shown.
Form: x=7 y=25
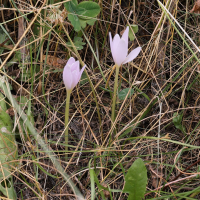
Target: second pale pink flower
x=119 y=49
x=72 y=73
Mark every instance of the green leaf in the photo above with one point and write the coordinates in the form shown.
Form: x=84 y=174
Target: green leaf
x=78 y=42
x=71 y=5
x=87 y=10
x=177 y=120
x=92 y=174
x=16 y=58
x=136 y=180
x=134 y=29
x=75 y=22
x=82 y=13
x=122 y=94
x=23 y=100
x=8 y=151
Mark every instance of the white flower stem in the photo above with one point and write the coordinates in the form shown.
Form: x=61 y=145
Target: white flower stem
x=66 y=123
x=115 y=94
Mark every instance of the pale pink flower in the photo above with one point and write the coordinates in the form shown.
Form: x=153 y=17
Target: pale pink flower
x=72 y=73
x=119 y=49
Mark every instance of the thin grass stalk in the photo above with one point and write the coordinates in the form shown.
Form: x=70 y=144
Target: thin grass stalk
x=168 y=14
x=41 y=58
x=25 y=32
x=101 y=71
x=135 y=123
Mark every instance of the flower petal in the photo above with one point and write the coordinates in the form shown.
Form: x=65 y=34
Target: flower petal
x=70 y=61
x=82 y=70
x=67 y=77
x=75 y=66
x=80 y=73
x=132 y=55
x=115 y=42
x=111 y=41
x=114 y=50
x=120 y=52
x=125 y=35
x=75 y=78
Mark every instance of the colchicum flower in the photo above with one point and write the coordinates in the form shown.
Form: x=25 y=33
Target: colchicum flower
x=119 y=49
x=71 y=76
x=72 y=73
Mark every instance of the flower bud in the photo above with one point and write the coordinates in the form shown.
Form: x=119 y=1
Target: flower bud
x=72 y=73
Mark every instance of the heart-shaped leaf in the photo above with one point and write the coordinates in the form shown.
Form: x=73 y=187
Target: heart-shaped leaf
x=82 y=13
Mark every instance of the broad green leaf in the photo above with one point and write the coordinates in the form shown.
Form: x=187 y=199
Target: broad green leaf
x=136 y=180
x=71 y=5
x=82 y=13
x=90 y=21
x=87 y=10
x=134 y=29
x=75 y=22
x=8 y=151
x=122 y=94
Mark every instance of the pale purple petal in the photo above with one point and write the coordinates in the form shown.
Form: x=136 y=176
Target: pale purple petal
x=125 y=36
x=111 y=42
x=67 y=77
x=120 y=52
x=115 y=42
x=75 y=80
x=80 y=73
x=75 y=66
x=77 y=76
x=70 y=61
x=72 y=73
x=82 y=69
x=132 y=55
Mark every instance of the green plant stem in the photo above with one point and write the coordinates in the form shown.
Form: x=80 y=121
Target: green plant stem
x=115 y=94
x=66 y=122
